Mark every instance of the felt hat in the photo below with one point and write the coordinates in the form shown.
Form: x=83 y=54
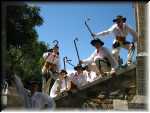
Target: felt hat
x=78 y=67
x=63 y=71
x=94 y=41
x=118 y=18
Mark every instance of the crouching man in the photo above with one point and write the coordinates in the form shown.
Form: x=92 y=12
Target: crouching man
x=101 y=56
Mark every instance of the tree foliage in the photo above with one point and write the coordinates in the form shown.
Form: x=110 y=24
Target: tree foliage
x=24 y=51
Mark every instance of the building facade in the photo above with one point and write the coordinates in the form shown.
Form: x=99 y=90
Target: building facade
x=140 y=17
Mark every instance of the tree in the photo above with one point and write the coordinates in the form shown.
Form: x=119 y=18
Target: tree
x=21 y=22
x=24 y=52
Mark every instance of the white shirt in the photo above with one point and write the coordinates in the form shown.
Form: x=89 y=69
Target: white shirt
x=79 y=79
x=37 y=101
x=60 y=84
x=118 y=32
x=102 y=53
x=91 y=76
x=53 y=58
x=42 y=101
x=45 y=55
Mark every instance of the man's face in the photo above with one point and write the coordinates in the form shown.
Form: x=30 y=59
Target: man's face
x=34 y=88
x=55 y=49
x=120 y=23
x=79 y=70
x=97 y=45
x=62 y=75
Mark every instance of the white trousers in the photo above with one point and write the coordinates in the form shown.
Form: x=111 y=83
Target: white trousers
x=116 y=51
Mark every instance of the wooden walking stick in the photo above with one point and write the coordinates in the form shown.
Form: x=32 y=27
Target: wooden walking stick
x=76 y=39
x=89 y=29
x=56 y=41
x=69 y=62
x=64 y=60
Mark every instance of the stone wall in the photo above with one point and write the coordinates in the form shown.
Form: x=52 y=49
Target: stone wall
x=101 y=95
x=140 y=17
x=141 y=79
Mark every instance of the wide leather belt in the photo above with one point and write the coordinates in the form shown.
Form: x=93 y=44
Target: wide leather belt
x=120 y=39
x=105 y=60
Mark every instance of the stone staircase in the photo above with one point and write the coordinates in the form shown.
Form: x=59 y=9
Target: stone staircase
x=98 y=95
x=101 y=93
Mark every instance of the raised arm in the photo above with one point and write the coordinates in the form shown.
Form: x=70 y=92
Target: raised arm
x=90 y=59
x=106 y=32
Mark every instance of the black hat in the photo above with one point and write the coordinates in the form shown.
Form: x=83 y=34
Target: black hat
x=93 y=42
x=85 y=67
x=63 y=71
x=78 y=67
x=119 y=17
x=50 y=50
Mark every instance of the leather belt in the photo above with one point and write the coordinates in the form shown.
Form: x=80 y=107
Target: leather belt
x=120 y=39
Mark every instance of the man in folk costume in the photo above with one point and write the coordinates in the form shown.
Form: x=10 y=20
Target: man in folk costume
x=39 y=100
x=46 y=64
x=33 y=98
x=120 y=30
x=79 y=78
x=91 y=75
x=61 y=84
x=51 y=60
x=102 y=57
x=50 y=69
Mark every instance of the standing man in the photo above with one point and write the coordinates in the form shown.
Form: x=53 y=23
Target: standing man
x=101 y=56
x=50 y=69
x=120 y=30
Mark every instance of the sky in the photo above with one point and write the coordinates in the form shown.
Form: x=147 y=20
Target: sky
x=65 y=21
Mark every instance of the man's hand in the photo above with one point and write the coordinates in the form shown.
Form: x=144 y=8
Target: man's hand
x=67 y=89
x=80 y=62
x=113 y=72
x=93 y=34
x=132 y=46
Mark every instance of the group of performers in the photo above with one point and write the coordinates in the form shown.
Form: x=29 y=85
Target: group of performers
x=56 y=80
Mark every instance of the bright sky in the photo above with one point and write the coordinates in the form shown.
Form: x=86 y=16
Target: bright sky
x=65 y=21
